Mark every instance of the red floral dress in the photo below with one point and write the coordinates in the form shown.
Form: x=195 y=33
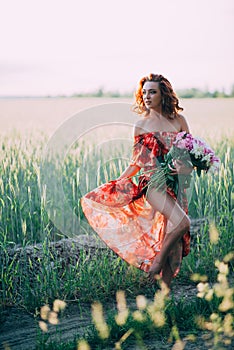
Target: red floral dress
x=119 y=212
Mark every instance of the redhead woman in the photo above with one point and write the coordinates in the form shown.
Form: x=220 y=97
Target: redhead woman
x=147 y=228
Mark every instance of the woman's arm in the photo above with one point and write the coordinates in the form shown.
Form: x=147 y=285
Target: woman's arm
x=180 y=168
x=130 y=171
x=183 y=123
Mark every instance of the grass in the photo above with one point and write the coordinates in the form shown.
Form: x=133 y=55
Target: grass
x=24 y=203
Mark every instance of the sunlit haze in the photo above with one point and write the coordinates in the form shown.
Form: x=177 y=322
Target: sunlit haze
x=66 y=47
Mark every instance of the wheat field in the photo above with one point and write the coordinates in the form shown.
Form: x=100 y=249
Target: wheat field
x=206 y=117
x=93 y=140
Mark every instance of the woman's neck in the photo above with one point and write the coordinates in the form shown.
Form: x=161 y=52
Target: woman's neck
x=156 y=113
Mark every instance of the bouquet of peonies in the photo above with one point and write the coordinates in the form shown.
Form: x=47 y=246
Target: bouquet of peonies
x=193 y=152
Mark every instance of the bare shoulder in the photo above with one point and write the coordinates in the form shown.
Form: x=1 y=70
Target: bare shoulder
x=138 y=127
x=183 y=123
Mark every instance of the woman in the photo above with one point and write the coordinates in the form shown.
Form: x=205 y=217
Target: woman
x=147 y=228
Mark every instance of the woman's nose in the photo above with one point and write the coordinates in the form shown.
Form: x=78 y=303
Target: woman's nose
x=147 y=94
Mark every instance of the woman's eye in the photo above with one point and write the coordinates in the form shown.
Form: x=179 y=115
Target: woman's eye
x=151 y=92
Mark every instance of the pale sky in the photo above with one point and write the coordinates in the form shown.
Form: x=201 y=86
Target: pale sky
x=53 y=47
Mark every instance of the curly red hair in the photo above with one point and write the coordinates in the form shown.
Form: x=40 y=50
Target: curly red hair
x=170 y=105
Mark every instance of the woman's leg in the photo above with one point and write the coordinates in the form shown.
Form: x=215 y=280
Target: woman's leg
x=180 y=224
x=167 y=274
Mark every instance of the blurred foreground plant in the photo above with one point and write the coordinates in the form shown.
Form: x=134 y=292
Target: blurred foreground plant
x=158 y=318
x=50 y=316
x=220 y=323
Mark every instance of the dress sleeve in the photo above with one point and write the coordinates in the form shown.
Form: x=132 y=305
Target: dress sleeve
x=146 y=149
x=138 y=153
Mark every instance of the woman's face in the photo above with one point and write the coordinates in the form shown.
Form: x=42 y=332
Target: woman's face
x=151 y=95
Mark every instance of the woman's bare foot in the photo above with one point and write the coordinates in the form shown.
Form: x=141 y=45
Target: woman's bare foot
x=155 y=269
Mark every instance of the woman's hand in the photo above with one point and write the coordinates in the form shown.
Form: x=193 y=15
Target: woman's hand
x=180 y=168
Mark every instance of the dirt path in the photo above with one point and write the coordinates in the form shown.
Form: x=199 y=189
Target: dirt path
x=19 y=330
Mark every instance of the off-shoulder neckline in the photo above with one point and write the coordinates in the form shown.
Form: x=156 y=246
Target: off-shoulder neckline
x=158 y=132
